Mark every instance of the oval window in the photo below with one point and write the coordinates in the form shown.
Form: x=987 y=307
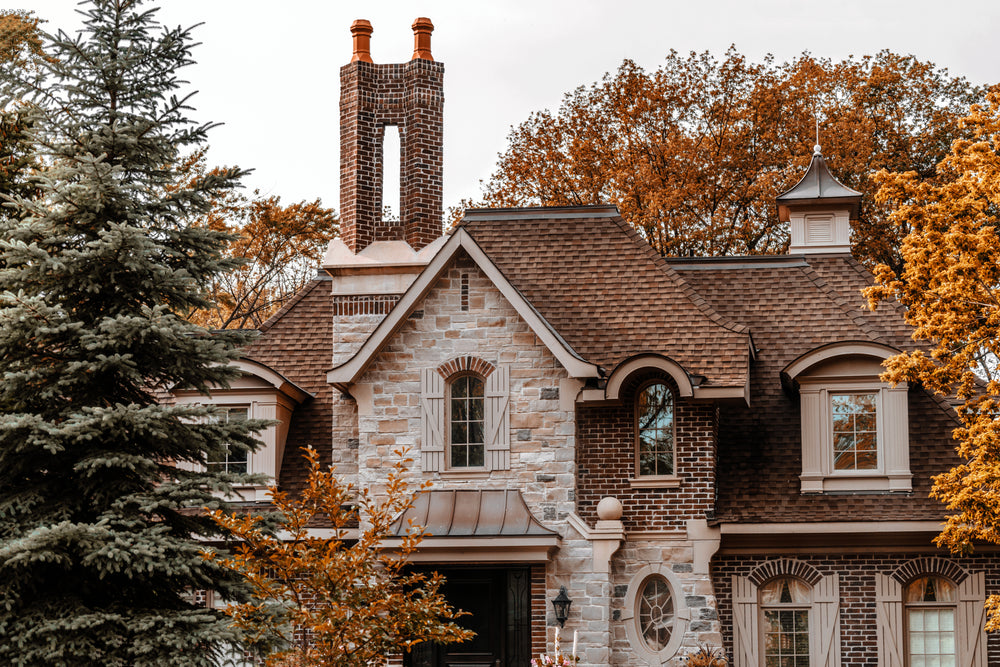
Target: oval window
x=656 y=613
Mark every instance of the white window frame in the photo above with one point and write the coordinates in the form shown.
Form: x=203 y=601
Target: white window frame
x=892 y=474
x=224 y=465
x=824 y=621
x=267 y=396
x=654 y=480
x=447 y=424
x=435 y=426
x=630 y=614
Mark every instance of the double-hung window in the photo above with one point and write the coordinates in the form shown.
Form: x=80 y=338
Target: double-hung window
x=230 y=461
x=466 y=419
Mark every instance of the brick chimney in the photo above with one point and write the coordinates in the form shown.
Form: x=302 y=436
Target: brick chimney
x=411 y=97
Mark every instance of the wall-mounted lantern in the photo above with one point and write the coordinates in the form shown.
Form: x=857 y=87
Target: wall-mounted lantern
x=561 y=605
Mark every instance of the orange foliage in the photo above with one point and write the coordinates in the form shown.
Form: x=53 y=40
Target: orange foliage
x=281 y=247
x=338 y=600
x=694 y=152
x=950 y=288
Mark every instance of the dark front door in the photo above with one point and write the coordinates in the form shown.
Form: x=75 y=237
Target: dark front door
x=499 y=614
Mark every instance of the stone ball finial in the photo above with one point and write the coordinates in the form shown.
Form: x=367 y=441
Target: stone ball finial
x=817 y=150
x=609 y=509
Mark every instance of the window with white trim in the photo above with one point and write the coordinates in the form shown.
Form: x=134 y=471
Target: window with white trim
x=931 y=620
x=231 y=461
x=655 y=614
x=654 y=430
x=784 y=610
x=855 y=428
x=929 y=608
x=786 y=622
x=465 y=420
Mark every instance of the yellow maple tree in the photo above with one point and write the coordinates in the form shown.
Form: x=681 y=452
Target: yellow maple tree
x=344 y=599
x=950 y=287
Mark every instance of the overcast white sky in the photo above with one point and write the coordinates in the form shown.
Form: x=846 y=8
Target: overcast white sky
x=269 y=70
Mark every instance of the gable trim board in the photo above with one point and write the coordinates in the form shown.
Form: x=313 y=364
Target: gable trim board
x=346 y=374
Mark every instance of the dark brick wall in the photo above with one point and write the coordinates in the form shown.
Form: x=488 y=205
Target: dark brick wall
x=606 y=463
x=411 y=97
x=857 y=592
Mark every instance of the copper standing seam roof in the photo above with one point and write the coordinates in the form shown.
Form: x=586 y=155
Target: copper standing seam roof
x=471 y=513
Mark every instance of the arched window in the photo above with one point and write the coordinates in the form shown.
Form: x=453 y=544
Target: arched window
x=654 y=430
x=466 y=422
x=784 y=607
x=930 y=607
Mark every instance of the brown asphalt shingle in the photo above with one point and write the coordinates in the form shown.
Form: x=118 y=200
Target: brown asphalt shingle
x=793 y=305
x=298 y=343
x=607 y=292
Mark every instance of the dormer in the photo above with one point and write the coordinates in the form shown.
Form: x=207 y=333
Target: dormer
x=820 y=209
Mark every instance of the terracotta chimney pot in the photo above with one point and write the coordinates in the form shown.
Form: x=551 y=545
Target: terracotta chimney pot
x=362 y=32
x=422 y=29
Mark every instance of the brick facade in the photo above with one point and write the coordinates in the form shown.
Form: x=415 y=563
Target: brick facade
x=409 y=96
x=606 y=463
x=857 y=591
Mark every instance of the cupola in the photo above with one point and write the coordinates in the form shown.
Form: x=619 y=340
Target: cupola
x=820 y=209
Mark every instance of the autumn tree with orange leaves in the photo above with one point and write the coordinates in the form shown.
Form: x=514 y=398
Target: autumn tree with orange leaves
x=281 y=246
x=694 y=152
x=339 y=600
x=950 y=288
x=20 y=48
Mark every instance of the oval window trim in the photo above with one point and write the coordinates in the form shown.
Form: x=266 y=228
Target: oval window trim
x=632 y=618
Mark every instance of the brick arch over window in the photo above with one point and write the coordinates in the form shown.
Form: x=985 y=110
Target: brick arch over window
x=480 y=367
x=921 y=567
x=785 y=567
x=434 y=415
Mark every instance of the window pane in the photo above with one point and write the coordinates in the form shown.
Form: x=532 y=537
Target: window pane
x=476 y=409
x=475 y=386
x=855 y=429
x=459 y=409
x=656 y=612
x=931 y=636
x=931 y=589
x=459 y=458
x=460 y=388
x=476 y=453
x=655 y=430
x=476 y=432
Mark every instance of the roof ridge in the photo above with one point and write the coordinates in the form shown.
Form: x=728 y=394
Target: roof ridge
x=836 y=297
x=693 y=296
x=298 y=296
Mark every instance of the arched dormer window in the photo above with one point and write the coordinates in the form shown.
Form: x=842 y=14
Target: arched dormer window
x=654 y=430
x=855 y=429
x=466 y=422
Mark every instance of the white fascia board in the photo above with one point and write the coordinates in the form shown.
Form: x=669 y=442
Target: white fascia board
x=348 y=373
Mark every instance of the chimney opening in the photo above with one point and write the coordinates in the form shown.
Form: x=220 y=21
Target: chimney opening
x=391 y=185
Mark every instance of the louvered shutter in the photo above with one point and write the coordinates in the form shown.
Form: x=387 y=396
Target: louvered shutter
x=889 y=621
x=498 y=419
x=970 y=622
x=826 y=621
x=432 y=420
x=745 y=623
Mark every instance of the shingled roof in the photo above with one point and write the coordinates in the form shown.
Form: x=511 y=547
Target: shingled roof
x=607 y=292
x=794 y=304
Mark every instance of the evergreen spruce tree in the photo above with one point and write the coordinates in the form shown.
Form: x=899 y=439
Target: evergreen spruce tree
x=101 y=487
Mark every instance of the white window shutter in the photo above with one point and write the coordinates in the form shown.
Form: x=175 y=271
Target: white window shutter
x=745 y=623
x=889 y=621
x=498 y=419
x=971 y=621
x=432 y=420
x=825 y=619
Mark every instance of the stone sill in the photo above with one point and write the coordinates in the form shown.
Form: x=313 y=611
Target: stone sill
x=665 y=482
x=464 y=474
